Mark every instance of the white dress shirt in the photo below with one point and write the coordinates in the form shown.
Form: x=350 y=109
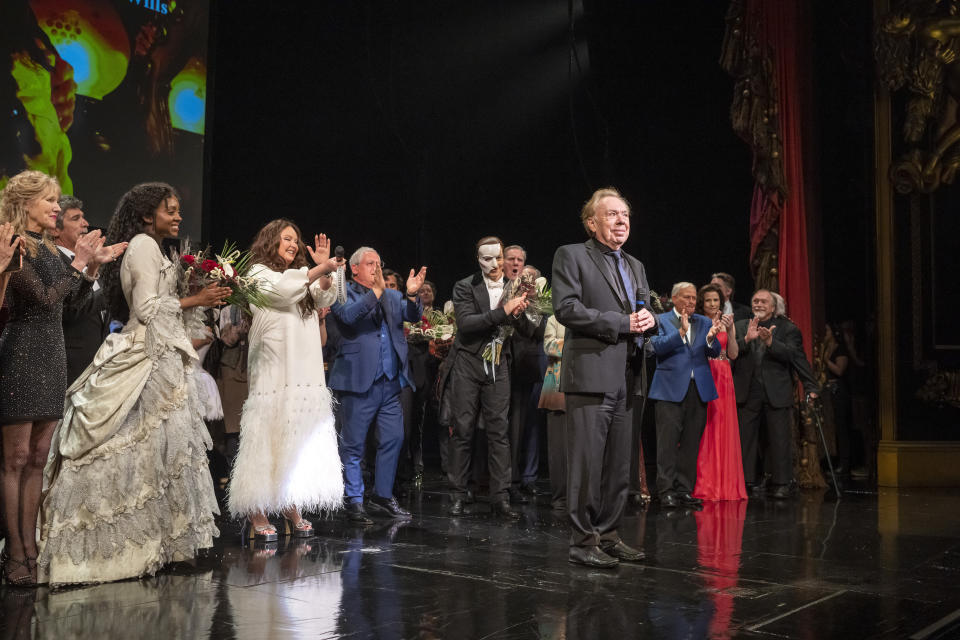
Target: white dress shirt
x=494 y=290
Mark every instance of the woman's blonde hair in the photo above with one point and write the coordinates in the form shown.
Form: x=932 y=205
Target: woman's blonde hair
x=21 y=190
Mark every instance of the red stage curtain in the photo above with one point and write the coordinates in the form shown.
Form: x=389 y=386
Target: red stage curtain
x=783 y=29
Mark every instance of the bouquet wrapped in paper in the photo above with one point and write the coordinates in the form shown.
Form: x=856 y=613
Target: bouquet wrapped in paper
x=434 y=325
x=228 y=269
x=540 y=298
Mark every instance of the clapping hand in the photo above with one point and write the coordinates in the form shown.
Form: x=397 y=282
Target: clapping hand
x=715 y=327
x=514 y=306
x=752 y=330
x=86 y=249
x=414 y=282
x=109 y=253
x=766 y=334
x=212 y=295
x=684 y=324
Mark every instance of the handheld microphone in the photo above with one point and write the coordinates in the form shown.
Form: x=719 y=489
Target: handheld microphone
x=341 y=281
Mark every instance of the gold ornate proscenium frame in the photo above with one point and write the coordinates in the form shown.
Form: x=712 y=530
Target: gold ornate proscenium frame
x=916 y=47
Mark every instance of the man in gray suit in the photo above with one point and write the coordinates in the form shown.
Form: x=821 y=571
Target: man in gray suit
x=599 y=295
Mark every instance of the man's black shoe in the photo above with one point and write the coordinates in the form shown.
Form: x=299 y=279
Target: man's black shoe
x=688 y=500
x=504 y=510
x=783 y=492
x=356 y=514
x=456 y=509
x=669 y=501
x=591 y=557
x=388 y=507
x=530 y=488
x=516 y=497
x=622 y=551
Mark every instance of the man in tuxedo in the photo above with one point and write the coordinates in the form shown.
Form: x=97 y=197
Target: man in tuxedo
x=478 y=386
x=682 y=386
x=85 y=321
x=727 y=283
x=771 y=350
x=371 y=368
x=596 y=290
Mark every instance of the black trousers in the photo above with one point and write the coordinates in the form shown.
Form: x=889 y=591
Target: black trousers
x=679 y=428
x=779 y=421
x=557 y=457
x=599 y=431
x=476 y=393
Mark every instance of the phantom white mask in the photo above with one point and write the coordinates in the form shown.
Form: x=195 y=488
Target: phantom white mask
x=487 y=256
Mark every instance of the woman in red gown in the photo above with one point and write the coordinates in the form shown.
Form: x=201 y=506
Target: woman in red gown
x=719 y=463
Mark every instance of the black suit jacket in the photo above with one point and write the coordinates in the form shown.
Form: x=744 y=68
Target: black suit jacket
x=741 y=311
x=85 y=326
x=587 y=301
x=780 y=360
x=477 y=324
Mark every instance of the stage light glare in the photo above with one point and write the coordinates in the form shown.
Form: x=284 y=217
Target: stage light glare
x=188 y=97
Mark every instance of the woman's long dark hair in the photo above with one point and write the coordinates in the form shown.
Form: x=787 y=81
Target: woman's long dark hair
x=265 y=251
x=134 y=212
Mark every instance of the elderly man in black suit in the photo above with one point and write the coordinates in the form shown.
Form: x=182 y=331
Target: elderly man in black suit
x=85 y=322
x=771 y=351
x=597 y=289
x=480 y=387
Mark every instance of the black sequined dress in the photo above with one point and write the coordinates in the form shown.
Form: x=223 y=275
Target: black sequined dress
x=33 y=362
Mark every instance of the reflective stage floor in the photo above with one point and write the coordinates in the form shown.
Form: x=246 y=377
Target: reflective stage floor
x=874 y=565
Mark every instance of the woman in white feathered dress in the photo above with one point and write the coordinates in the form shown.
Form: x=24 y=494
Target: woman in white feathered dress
x=288 y=459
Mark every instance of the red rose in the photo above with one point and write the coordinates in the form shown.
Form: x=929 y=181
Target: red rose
x=189 y=259
x=209 y=265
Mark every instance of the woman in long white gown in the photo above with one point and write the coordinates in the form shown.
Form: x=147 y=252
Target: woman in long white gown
x=288 y=459
x=128 y=488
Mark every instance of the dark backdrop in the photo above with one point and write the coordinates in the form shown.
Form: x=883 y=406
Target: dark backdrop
x=418 y=126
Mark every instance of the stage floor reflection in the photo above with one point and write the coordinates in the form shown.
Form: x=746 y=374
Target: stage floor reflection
x=873 y=565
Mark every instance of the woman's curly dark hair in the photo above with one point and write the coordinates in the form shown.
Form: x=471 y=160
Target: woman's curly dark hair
x=707 y=288
x=134 y=213
x=265 y=251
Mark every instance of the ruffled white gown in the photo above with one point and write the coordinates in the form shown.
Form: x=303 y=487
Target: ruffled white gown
x=288 y=443
x=127 y=487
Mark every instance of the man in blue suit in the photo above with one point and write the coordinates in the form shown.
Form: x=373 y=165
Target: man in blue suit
x=682 y=386
x=368 y=374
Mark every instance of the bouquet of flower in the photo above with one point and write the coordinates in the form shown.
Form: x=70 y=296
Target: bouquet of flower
x=434 y=325
x=540 y=298
x=228 y=269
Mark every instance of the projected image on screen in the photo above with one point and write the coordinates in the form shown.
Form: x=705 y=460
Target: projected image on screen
x=103 y=94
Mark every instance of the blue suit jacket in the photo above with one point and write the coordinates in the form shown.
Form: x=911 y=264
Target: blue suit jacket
x=675 y=360
x=356 y=365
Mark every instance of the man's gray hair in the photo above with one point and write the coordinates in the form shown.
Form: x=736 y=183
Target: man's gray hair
x=780 y=305
x=67 y=202
x=680 y=286
x=516 y=247
x=358 y=254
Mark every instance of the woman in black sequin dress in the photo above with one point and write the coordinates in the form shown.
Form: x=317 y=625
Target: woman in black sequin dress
x=33 y=378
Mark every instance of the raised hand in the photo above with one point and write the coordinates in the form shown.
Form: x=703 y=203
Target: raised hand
x=752 y=330
x=320 y=251
x=378 y=284
x=414 y=282
x=8 y=248
x=730 y=326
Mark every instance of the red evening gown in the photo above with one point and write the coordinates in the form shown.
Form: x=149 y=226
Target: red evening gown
x=719 y=463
